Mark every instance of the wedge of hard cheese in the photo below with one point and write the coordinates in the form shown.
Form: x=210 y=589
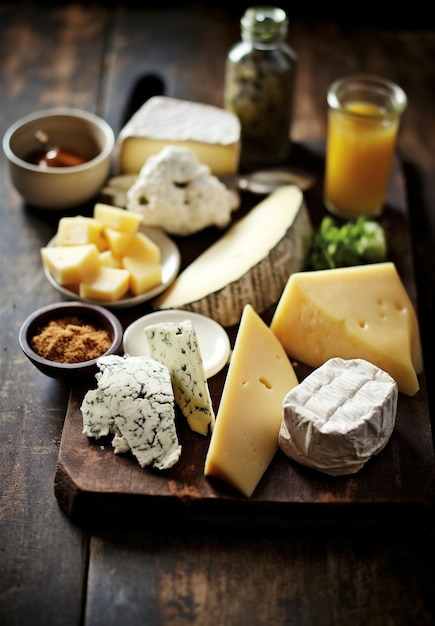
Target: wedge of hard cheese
x=250 y=263
x=339 y=416
x=211 y=133
x=361 y=312
x=245 y=436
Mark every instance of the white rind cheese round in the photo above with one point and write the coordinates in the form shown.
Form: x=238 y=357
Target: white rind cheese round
x=249 y=264
x=339 y=416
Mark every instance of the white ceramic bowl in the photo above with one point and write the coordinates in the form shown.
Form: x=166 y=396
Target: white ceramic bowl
x=59 y=188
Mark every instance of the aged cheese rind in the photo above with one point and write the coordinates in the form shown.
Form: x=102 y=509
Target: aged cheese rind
x=245 y=436
x=339 y=416
x=175 y=345
x=352 y=312
x=211 y=133
x=135 y=401
x=250 y=263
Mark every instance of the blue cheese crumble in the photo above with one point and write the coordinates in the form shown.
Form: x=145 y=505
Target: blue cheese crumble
x=134 y=401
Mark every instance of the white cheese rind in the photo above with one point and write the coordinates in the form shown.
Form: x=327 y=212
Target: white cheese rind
x=249 y=264
x=211 y=133
x=134 y=400
x=176 y=346
x=339 y=416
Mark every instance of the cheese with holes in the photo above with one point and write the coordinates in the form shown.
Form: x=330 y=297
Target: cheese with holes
x=339 y=416
x=245 y=437
x=134 y=401
x=211 y=133
x=69 y=265
x=353 y=312
x=175 y=344
x=250 y=263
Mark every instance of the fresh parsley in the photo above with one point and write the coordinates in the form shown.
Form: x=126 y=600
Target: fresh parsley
x=356 y=242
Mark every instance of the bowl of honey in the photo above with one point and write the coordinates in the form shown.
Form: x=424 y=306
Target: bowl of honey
x=59 y=158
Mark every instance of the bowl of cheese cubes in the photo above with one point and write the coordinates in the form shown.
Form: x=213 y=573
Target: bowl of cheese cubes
x=109 y=258
x=59 y=158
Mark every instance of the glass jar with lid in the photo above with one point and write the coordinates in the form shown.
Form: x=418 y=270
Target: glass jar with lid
x=259 y=85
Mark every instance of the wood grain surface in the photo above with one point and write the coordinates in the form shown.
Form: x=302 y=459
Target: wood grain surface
x=55 y=573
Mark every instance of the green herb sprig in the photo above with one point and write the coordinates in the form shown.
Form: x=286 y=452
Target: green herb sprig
x=357 y=242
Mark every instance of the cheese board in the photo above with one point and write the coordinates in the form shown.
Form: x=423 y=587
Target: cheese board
x=92 y=483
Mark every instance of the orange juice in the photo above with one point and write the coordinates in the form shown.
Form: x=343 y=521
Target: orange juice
x=363 y=122
x=360 y=154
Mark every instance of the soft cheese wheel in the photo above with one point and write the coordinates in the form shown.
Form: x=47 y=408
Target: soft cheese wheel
x=352 y=312
x=211 y=133
x=250 y=263
x=245 y=436
x=339 y=416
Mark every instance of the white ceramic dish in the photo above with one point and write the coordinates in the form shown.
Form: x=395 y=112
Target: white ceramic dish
x=170 y=266
x=213 y=340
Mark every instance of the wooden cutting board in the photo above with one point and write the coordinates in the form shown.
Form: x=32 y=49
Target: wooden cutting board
x=92 y=484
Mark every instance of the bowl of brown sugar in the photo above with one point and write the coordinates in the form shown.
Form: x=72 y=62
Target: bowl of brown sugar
x=64 y=340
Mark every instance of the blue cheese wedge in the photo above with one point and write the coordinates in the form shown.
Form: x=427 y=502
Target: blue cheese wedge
x=175 y=344
x=134 y=401
x=339 y=416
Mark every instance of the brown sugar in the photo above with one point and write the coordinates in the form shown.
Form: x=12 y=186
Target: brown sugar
x=70 y=340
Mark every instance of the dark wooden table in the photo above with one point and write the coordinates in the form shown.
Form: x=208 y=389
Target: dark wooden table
x=56 y=573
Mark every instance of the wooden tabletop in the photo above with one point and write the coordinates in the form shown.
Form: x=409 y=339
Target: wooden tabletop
x=55 y=572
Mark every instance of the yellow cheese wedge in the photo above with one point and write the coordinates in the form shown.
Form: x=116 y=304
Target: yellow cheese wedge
x=71 y=264
x=245 y=435
x=117 y=218
x=210 y=132
x=144 y=275
x=354 y=312
x=108 y=284
x=249 y=264
x=117 y=240
x=80 y=230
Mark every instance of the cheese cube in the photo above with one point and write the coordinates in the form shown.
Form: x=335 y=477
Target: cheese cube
x=143 y=247
x=108 y=259
x=144 y=275
x=211 y=133
x=79 y=230
x=71 y=264
x=117 y=240
x=117 y=218
x=361 y=312
x=245 y=436
x=108 y=284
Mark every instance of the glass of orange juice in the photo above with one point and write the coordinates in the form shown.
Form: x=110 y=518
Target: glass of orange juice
x=363 y=120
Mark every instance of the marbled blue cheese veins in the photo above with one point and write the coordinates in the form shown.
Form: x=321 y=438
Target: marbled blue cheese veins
x=134 y=401
x=175 y=344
